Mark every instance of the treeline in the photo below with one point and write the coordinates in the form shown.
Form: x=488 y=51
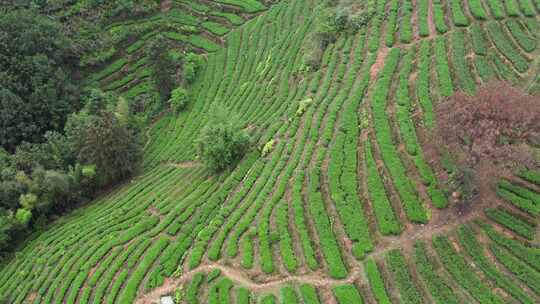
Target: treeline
x=59 y=144
x=99 y=146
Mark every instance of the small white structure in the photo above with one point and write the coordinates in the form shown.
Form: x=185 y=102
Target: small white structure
x=167 y=300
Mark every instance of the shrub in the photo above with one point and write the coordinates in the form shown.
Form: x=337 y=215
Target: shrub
x=179 y=99
x=222 y=142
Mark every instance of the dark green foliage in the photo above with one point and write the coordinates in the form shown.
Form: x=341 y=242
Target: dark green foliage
x=162 y=65
x=222 y=142
x=179 y=99
x=191 y=65
x=36 y=91
x=100 y=147
x=107 y=142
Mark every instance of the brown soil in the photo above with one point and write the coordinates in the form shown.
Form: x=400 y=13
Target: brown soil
x=379 y=62
x=316 y=279
x=31 y=297
x=431 y=23
x=166 y=5
x=185 y=165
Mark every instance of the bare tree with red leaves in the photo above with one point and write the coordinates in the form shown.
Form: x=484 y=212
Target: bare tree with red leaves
x=490 y=134
x=500 y=124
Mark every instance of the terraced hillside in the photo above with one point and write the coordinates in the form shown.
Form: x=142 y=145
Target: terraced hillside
x=190 y=26
x=348 y=207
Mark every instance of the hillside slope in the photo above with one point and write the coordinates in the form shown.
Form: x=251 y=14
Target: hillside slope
x=347 y=207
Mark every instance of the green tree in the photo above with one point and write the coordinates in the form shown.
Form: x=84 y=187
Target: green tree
x=190 y=66
x=36 y=91
x=179 y=99
x=162 y=65
x=104 y=141
x=222 y=142
x=23 y=217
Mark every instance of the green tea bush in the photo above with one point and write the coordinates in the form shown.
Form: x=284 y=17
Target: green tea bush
x=460 y=64
x=285 y=240
x=412 y=205
x=477 y=10
x=329 y=245
x=530 y=175
x=250 y=6
x=347 y=294
x=423 y=26
x=376 y=282
x=519 y=33
x=386 y=219
x=443 y=71
x=521 y=191
x=288 y=295
x=215 y=28
x=406 y=32
x=309 y=294
x=478 y=38
x=512 y=8
x=192 y=291
x=438 y=17
x=523 y=198
x=301 y=222
x=423 y=83
x=247 y=251
x=523 y=251
x=496 y=8
x=512 y=222
x=391 y=22
x=405 y=284
x=436 y=285
x=462 y=273
x=474 y=249
x=243 y=296
x=519 y=268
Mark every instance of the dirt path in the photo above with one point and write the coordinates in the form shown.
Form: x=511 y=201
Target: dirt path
x=442 y=221
x=379 y=62
x=316 y=279
x=166 y=5
x=185 y=165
